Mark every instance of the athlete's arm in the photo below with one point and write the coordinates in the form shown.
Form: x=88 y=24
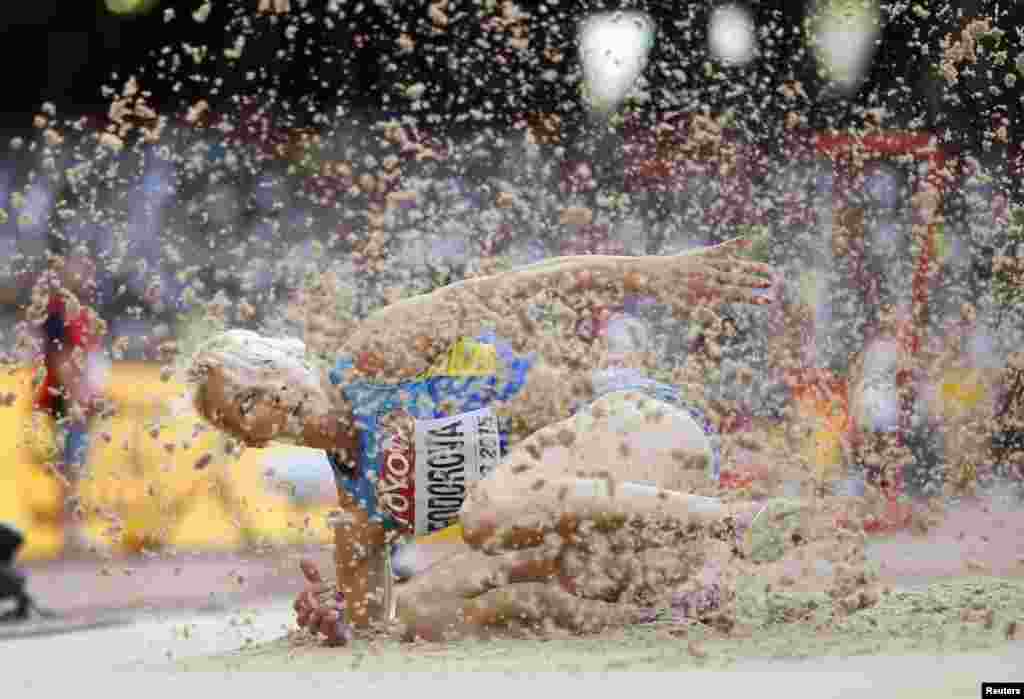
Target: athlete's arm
x=358 y=597
x=360 y=552
x=405 y=338
x=360 y=558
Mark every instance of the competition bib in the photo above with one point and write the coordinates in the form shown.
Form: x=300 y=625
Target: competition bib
x=427 y=465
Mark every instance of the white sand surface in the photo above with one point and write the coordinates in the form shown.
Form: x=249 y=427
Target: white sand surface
x=927 y=637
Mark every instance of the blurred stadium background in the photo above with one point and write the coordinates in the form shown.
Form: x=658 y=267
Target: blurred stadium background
x=142 y=497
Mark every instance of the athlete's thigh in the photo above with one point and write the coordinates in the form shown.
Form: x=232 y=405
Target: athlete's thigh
x=626 y=437
x=637 y=438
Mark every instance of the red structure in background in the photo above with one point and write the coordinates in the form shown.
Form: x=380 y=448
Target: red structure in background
x=686 y=152
x=918 y=149
x=684 y=149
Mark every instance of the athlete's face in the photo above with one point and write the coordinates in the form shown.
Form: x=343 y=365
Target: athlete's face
x=255 y=414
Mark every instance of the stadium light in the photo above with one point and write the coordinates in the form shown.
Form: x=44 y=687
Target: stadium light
x=844 y=35
x=731 y=36
x=614 y=48
x=130 y=7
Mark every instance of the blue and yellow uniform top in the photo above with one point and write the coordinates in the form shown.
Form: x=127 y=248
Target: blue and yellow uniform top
x=424 y=441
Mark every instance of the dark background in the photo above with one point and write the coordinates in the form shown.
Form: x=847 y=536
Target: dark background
x=62 y=51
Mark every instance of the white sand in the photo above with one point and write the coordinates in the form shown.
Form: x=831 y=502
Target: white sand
x=914 y=643
x=212 y=663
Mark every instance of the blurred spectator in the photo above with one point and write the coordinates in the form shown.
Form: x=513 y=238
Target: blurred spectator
x=71 y=378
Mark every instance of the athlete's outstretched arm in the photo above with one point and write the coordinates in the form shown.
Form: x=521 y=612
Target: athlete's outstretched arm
x=405 y=338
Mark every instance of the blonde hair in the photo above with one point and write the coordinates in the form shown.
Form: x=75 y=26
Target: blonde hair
x=247 y=358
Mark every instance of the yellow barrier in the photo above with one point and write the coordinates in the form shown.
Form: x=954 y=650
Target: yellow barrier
x=142 y=488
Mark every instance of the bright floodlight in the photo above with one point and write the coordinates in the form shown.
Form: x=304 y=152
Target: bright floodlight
x=130 y=7
x=844 y=37
x=613 y=49
x=731 y=37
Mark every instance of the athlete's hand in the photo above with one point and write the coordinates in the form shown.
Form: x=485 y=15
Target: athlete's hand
x=319 y=608
x=714 y=274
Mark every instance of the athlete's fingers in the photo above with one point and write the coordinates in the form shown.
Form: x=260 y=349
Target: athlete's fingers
x=311 y=597
x=310 y=571
x=316 y=618
x=734 y=264
x=714 y=293
x=328 y=625
x=729 y=247
x=752 y=273
x=304 y=607
x=334 y=628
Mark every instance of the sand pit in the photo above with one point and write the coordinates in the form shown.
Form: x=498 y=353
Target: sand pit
x=929 y=601
x=920 y=620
